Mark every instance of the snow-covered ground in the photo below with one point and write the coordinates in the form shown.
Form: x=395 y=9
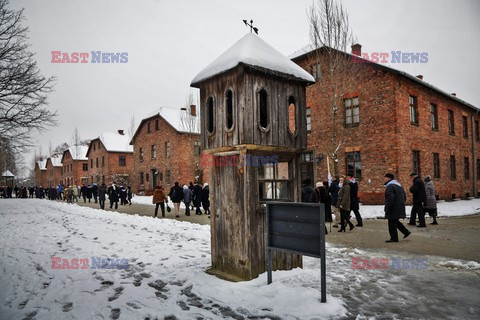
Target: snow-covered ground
x=166 y=275
x=445 y=209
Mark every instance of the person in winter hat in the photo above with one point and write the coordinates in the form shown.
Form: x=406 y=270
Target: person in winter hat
x=419 y=198
x=430 y=205
x=187 y=198
x=176 y=195
x=159 y=199
x=394 y=207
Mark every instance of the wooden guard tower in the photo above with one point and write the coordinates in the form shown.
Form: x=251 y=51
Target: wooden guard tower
x=252 y=109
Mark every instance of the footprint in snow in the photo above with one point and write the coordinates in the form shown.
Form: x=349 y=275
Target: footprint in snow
x=115 y=314
x=67 y=307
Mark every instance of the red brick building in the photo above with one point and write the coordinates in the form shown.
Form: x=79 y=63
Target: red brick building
x=390 y=121
x=110 y=159
x=54 y=170
x=41 y=173
x=75 y=166
x=165 y=152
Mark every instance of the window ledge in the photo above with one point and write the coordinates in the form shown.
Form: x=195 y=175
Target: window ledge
x=414 y=124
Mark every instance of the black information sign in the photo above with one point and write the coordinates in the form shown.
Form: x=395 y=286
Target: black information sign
x=299 y=228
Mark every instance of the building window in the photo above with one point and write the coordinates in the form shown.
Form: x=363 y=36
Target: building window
x=316 y=71
x=154 y=151
x=434 y=116
x=141 y=154
x=275 y=182
x=141 y=178
x=160 y=175
x=149 y=127
x=157 y=125
x=451 y=123
x=466 y=168
x=453 y=169
x=477 y=131
x=413 y=110
x=197 y=148
x=416 y=162
x=465 y=126
x=94 y=148
x=96 y=162
x=91 y=163
x=210 y=115
x=354 y=164
x=436 y=165
x=263 y=106
x=352 y=112
x=292 y=115
x=103 y=161
x=167 y=176
x=147 y=177
x=229 y=109
x=122 y=161
x=167 y=150
x=309 y=120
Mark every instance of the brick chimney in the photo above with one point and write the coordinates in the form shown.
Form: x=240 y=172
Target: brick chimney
x=193 y=110
x=454 y=94
x=357 y=49
x=420 y=77
x=120 y=132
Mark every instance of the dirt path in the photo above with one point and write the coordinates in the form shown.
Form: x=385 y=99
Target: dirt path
x=455 y=237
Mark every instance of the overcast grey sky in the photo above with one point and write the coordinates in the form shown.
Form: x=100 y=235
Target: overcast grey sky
x=169 y=42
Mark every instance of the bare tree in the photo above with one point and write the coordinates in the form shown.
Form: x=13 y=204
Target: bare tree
x=190 y=122
x=23 y=90
x=131 y=129
x=331 y=36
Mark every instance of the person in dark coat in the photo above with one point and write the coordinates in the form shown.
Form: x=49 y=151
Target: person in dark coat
x=89 y=193
x=159 y=199
x=102 y=195
x=95 y=191
x=113 y=195
x=419 y=198
x=187 y=198
x=129 y=195
x=333 y=190
x=308 y=193
x=123 y=195
x=394 y=207
x=431 y=202
x=197 y=198
x=83 y=192
x=343 y=204
x=206 y=199
x=176 y=195
x=190 y=187
x=354 y=201
x=324 y=197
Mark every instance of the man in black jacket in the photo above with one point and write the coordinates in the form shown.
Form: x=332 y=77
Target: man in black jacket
x=419 y=198
x=394 y=207
x=333 y=190
x=354 y=201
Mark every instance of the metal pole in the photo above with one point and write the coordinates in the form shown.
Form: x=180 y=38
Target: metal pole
x=269 y=266
x=323 y=273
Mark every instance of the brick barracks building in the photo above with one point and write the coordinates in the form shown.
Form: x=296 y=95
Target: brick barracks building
x=165 y=152
x=110 y=159
x=54 y=170
x=390 y=121
x=41 y=173
x=75 y=166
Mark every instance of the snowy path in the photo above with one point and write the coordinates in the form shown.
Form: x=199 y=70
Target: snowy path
x=166 y=277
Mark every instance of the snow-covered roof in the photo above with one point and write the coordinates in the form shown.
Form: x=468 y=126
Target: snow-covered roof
x=309 y=48
x=251 y=50
x=42 y=164
x=78 y=152
x=7 y=174
x=56 y=160
x=116 y=142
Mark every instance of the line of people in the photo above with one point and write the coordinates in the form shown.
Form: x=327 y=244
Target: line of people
x=193 y=196
x=340 y=198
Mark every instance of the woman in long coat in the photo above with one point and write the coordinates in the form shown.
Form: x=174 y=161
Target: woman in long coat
x=431 y=203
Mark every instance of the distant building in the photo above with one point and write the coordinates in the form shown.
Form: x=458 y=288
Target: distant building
x=390 y=121
x=165 y=151
x=41 y=173
x=110 y=158
x=54 y=170
x=75 y=165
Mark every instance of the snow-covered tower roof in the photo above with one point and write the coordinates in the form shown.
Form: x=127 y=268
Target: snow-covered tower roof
x=42 y=164
x=251 y=50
